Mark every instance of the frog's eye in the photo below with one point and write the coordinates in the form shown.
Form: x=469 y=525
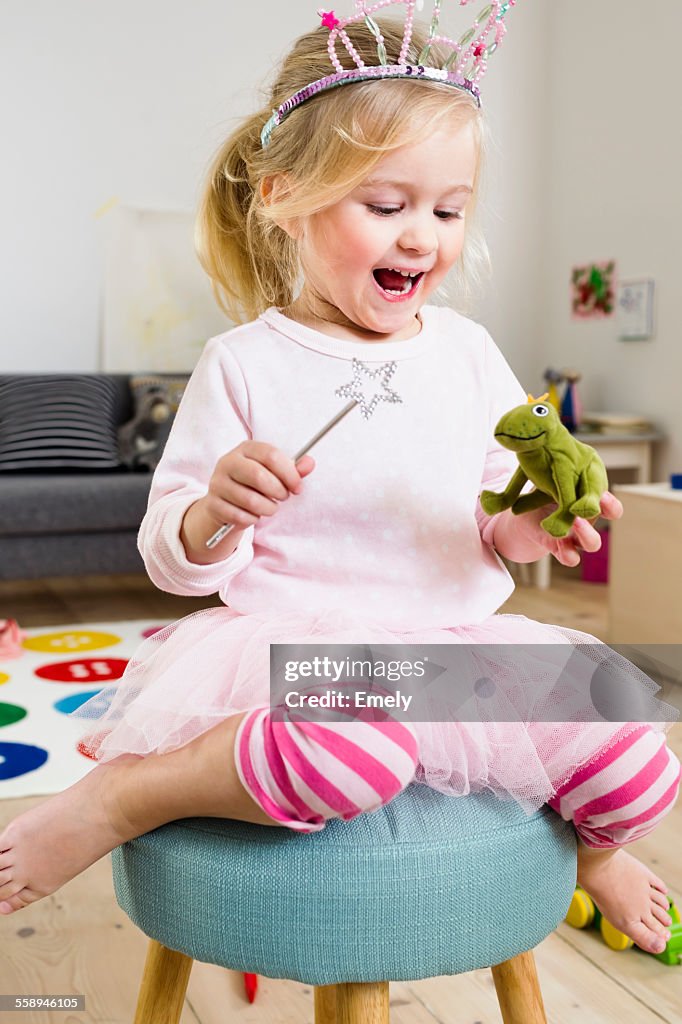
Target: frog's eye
x=540 y=410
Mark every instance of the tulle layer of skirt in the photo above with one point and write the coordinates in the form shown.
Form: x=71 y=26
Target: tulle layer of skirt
x=194 y=673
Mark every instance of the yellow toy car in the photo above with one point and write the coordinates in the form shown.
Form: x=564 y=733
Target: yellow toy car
x=583 y=913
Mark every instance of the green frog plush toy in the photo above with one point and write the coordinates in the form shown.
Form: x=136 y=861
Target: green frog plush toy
x=563 y=469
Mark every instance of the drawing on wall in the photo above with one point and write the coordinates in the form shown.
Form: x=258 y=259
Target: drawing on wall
x=159 y=310
x=593 y=290
x=635 y=305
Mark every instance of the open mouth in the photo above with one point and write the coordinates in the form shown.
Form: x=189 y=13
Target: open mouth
x=397 y=283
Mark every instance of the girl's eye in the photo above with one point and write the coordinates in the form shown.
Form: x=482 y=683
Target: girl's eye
x=386 y=211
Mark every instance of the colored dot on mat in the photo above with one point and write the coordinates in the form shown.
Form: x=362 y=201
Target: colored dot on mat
x=4 y=678
x=11 y=713
x=83 y=670
x=68 y=704
x=20 y=759
x=70 y=641
x=151 y=630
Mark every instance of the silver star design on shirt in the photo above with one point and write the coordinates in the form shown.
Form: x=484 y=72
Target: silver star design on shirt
x=354 y=390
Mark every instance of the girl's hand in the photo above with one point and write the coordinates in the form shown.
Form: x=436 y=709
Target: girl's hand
x=250 y=481
x=581 y=537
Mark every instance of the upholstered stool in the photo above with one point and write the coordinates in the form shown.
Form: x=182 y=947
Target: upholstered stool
x=428 y=885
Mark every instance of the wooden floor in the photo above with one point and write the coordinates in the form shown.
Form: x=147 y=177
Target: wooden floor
x=79 y=941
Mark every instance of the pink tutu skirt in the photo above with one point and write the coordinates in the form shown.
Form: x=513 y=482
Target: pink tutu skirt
x=193 y=674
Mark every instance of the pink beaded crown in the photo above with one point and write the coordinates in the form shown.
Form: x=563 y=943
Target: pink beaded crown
x=464 y=67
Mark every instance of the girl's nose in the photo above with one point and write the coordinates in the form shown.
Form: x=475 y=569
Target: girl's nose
x=419 y=236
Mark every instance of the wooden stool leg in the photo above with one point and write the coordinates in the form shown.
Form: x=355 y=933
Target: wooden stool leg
x=325 y=1004
x=164 y=983
x=362 y=1003
x=518 y=990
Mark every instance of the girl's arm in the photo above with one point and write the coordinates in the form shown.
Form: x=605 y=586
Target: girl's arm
x=211 y=421
x=197 y=525
x=248 y=482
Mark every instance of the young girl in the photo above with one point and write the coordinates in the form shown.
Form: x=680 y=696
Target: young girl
x=368 y=192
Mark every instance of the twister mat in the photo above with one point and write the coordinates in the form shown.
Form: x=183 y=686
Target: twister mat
x=61 y=667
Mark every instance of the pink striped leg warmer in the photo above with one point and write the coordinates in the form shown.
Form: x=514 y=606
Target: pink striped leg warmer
x=624 y=792
x=302 y=773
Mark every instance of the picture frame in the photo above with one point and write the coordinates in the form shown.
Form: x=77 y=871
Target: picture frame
x=158 y=311
x=593 y=290
x=635 y=309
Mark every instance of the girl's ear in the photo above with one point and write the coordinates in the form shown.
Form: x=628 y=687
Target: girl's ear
x=274 y=188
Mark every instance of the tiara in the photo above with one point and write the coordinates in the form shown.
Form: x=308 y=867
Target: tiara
x=464 y=67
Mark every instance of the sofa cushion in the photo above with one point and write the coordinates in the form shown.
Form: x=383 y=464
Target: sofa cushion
x=59 y=421
x=72 y=503
x=69 y=554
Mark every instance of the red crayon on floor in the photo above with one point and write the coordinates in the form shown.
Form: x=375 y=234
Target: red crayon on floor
x=250 y=986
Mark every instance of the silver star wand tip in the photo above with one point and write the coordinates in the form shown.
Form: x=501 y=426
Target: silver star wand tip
x=354 y=389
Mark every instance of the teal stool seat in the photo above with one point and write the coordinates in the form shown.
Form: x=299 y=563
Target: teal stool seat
x=427 y=885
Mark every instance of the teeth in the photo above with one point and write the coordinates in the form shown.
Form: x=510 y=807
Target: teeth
x=405 y=273
x=402 y=291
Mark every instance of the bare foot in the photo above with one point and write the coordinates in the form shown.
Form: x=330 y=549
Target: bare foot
x=47 y=846
x=630 y=896
x=50 y=844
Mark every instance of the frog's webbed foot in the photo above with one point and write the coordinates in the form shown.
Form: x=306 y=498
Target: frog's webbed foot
x=529 y=502
x=558 y=524
x=492 y=503
x=588 y=507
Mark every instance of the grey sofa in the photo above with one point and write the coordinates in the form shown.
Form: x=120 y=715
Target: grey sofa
x=70 y=523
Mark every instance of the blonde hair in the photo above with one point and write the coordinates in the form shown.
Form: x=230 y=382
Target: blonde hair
x=324 y=149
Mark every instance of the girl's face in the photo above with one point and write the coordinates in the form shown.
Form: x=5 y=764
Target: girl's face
x=407 y=215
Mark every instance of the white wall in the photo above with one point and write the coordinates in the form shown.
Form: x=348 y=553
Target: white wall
x=613 y=162
x=516 y=102
x=130 y=99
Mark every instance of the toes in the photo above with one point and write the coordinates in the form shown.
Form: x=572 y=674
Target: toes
x=10 y=888
x=660 y=934
x=16 y=902
x=5 y=877
x=657 y=897
x=661 y=915
x=657 y=882
x=656 y=926
x=646 y=937
x=7 y=839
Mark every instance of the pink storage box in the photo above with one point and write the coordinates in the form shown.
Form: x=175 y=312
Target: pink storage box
x=595 y=564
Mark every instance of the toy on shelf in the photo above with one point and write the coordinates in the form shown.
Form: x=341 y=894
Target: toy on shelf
x=583 y=913
x=571 y=406
x=563 y=469
x=552 y=379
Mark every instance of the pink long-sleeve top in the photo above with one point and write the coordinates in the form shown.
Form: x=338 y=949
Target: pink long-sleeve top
x=388 y=524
